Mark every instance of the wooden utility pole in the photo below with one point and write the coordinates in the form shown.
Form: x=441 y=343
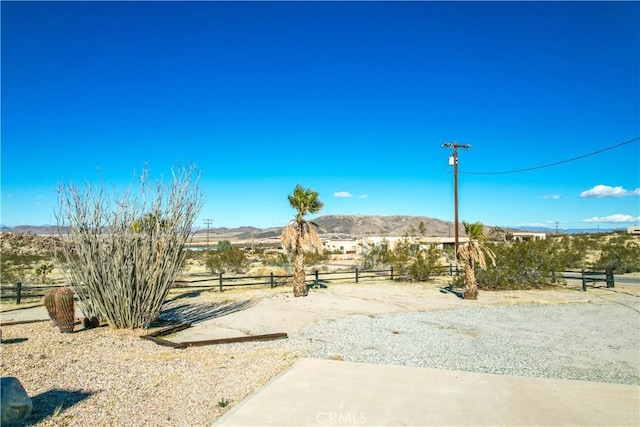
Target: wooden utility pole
x=208 y=222
x=453 y=161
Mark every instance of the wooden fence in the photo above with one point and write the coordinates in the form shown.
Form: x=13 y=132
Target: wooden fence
x=315 y=279
x=592 y=277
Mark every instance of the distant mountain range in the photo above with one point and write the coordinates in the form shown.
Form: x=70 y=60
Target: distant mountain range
x=337 y=226
x=345 y=226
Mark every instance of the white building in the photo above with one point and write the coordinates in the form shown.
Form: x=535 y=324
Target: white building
x=523 y=236
x=344 y=246
x=634 y=229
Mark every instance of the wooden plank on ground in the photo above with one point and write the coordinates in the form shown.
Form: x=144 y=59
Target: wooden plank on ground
x=164 y=342
x=266 y=337
x=171 y=329
x=21 y=322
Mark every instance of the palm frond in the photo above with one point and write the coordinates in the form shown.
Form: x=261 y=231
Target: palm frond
x=289 y=237
x=310 y=240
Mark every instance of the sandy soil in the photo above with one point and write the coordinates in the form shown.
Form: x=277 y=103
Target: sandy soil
x=252 y=311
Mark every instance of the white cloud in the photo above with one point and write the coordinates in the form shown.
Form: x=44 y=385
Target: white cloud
x=607 y=191
x=616 y=218
x=551 y=196
x=363 y=196
x=342 y=194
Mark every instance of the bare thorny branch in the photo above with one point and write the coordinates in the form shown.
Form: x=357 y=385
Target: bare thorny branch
x=127 y=249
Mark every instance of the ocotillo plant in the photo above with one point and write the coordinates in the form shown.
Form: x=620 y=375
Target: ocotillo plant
x=65 y=311
x=50 y=304
x=127 y=249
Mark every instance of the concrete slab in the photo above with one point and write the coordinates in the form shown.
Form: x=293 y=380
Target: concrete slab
x=25 y=315
x=32 y=314
x=325 y=392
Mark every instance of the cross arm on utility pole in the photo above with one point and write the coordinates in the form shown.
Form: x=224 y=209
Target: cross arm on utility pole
x=208 y=222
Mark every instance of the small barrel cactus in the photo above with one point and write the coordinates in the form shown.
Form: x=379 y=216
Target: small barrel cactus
x=65 y=311
x=50 y=304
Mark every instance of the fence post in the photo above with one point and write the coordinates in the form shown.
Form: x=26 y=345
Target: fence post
x=391 y=273
x=450 y=269
x=584 y=282
x=610 y=280
x=18 y=292
x=220 y=282
x=316 y=279
x=356 y=274
x=272 y=280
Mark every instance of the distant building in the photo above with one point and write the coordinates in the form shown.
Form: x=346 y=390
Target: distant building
x=522 y=236
x=441 y=242
x=634 y=229
x=344 y=246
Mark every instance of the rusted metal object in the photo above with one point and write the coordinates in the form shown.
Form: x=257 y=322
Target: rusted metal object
x=182 y=326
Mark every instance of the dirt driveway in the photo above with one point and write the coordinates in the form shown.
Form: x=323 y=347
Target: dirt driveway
x=262 y=311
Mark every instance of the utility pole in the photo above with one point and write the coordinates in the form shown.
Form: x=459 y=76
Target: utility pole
x=208 y=222
x=453 y=161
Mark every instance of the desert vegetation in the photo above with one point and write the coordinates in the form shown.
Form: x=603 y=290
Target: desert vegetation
x=28 y=258
x=474 y=255
x=127 y=249
x=537 y=263
x=300 y=236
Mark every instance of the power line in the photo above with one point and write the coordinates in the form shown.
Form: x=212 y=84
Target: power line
x=555 y=163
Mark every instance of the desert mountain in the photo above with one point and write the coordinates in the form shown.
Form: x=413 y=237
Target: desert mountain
x=346 y=225
x=395 y=225
x=329 y=225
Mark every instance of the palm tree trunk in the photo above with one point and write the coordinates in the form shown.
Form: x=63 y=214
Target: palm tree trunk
x=471 y=288
x=299 y=283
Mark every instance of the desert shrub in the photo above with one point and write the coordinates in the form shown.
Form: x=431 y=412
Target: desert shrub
x=313 y=258
x=227 y=260
x=401 y=257
x=275 y=259
x=196 y=256
x=26 y=257
x=16 y=268
x=280 y=276
x=127 y=249
x=373 y=257
x=408 y=260
x=223 y=245
x=622 y=253
x=530 y=264
x=43 y=270
x=424 y=265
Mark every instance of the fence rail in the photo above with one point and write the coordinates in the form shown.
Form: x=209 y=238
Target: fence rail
x=592 y=277
x=315 y=278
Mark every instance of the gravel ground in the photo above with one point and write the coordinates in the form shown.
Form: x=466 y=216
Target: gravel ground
x=594 y=342
x=105 y=377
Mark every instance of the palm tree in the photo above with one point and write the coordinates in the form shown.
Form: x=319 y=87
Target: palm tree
x=473 y=254
x=299 y=236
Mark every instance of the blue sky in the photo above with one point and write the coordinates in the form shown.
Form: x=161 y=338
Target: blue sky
x=352 y=99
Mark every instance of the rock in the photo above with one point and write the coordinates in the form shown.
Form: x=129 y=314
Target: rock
x=15 y=404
